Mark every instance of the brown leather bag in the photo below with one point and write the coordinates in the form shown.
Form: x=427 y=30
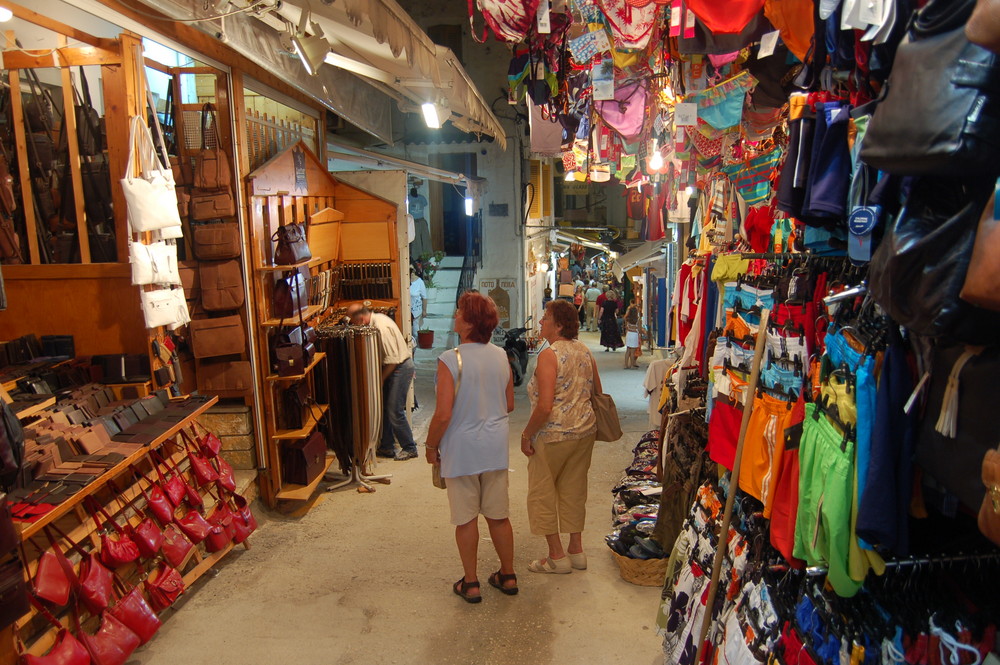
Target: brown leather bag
x=217 y=337
x=216 y=242
x=211 y=166
x=189 y=278
x=982 y=281
x=181 y=168
x=221 y=285
x=183 y=201
x=211 y=204
x=291 y=296
x=232 y=378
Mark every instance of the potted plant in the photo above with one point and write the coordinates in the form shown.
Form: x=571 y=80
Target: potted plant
x=427 y=265
x=425 y=339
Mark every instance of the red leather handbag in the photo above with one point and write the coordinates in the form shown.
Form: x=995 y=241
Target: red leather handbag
x=173 y=483
x=226 y=480
x=221 y=534
x=148 y=538
x=194 y=526
x=244 y=523
x=112 y=644
x=157 y=501
x=67 y=650
x=51 y=582
x=133 y=611
x=210 y=445
x=204 y=472
x=164 y=585
x=95 y=582
x=117 y=548
x=175 y=546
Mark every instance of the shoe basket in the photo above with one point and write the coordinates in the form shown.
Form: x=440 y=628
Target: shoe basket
x=644 y=572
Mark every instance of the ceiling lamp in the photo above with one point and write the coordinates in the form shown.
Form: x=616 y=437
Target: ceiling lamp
x=311 y=49
x=431 y=115
x=5 y=14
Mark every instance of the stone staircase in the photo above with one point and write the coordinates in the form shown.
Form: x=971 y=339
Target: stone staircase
x=441 y=301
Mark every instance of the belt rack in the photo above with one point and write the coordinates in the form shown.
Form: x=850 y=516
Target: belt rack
x=362 y=281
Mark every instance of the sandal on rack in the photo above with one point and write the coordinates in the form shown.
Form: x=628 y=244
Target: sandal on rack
x=498 y=579
x=462 y=589
x=557 y=566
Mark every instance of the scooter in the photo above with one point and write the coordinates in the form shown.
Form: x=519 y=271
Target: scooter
x=517 y=352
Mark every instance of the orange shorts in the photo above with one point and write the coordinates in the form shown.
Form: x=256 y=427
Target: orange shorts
x=764 y=447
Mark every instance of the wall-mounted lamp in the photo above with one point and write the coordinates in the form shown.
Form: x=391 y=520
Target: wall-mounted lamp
x=5 y=14
x=468 y=206
x=431 y=116
x=311 y=49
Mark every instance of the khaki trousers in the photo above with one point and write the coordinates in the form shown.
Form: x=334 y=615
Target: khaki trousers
x=591 y=315
x=557 y=486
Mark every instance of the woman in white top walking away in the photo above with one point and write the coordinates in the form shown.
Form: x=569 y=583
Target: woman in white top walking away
x=468 y=438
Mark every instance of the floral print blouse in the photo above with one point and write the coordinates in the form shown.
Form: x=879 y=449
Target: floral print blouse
x=572 y=414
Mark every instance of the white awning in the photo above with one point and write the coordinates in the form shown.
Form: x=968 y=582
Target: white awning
x=648 y=251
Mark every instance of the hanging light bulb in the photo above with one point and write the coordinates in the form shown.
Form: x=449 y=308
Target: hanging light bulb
x=655 y=158
x=5 y=14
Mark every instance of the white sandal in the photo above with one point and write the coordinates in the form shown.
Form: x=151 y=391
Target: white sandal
x=578 y=561
x=558 y=566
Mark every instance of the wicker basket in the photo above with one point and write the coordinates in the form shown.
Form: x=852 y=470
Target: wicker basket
x=644 y=572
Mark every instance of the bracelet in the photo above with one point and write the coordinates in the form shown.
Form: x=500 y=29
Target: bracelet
x=994 y=492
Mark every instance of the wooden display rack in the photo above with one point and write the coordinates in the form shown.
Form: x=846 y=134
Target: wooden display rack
x=344 y=223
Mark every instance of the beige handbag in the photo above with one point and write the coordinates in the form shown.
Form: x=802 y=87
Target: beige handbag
x=608 y=426
x=436 y=478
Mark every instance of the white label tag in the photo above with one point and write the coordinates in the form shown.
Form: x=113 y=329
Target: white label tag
x=544 y=24
x=675 y=16
x=767 y=44
x=602 y=42
x=686 y=114
x=689 y=21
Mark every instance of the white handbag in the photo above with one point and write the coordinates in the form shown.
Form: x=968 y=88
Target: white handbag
x=149 y=197
x=155 y=263
x=165 y=307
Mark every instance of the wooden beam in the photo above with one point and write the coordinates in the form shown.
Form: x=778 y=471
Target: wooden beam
x=61 y=57
x=58 y=27
x=67 y=271
x=72 y=142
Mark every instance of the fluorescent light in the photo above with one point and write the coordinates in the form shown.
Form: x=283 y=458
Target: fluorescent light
x=431 y=116
x=311 y=51
x=468 y=206
x=359 y=68
x=5 y=14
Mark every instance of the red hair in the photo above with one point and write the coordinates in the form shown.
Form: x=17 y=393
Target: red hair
x=480 y=312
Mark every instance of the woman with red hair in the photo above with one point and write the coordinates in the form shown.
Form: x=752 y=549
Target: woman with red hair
x=468 y=439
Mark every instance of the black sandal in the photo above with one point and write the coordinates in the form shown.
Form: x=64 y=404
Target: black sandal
x=498 y=579
x=462 y=587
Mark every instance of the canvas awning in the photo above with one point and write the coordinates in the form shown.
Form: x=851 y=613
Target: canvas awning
x=648 y=251
x=378 y=56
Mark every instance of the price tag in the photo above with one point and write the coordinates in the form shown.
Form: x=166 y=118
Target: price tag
x=542 y=17
x=686 y=114
x=767 y=44
x=675 y=18
x=601 y=41
x=603 y=78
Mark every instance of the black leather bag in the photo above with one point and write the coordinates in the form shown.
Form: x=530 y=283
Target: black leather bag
x=291 y=245
x=13 y=592
x=941 y=111
x=918 y=270
x=294 y=403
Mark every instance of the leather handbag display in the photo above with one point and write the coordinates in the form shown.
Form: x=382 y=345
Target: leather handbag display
x=206 y=204
x=221 y=285
x=117 y=547
x=217 y=337
x=290 y=245
x=303 y=460
x=918 y=270
x=52 y=582
x=230 y=377
x=293 y=406
x=982 y=281
x=291 y=296
x=216 y=241
x=188 y=271
x=148 y=537
x=194 y=526
x=209 y=444
x=150 y=199
x=954 y=83
x=244 y=522
x=226 y=479
x=136 y=614
x=171 y=481
x=176 y=546
x=157 y=502
x=153 y=263
x=211 y=166
x=164 y=586
x=95 y=582
x=112 y=644
x=66 y=650
x=164 y=307
x=221 y=536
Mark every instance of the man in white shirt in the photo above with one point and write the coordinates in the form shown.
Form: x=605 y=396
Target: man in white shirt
x=591 y=296
x=397 y=375
x=418 y=300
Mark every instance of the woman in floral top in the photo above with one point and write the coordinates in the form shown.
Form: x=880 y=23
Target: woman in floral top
x=559 y=439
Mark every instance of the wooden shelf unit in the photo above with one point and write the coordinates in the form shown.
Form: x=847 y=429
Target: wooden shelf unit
x=316 y=413
x=317 y=358
x=293 y=492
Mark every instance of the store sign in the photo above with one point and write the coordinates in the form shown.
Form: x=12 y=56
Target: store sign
x=503 y=291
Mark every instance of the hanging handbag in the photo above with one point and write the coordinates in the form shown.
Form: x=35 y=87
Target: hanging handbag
x=153 y=263
x=918 y=270
x=221 y=285
x=94 y=582
x=66 y=650
x=150 y=199
x=194 y=526
x=188 y=271
x=117 y=548
x=290 y=296
x=14 y=590
x=112 y=644
x=134 y=612
x=206 y=204
x=982 y=281
x=54 y=577
x=230 y=378
x=209 y=444
x=204 y=472
x=148 y=538
x=164 y=586
x=211 y=167
x=291 y=246
x=220 y=536
x=157 y=502
x=164 y=307
x=608 y=426
x=176 y=546
x=226 y=479
x=172 y=483
x=89 y=138
x=626 y=113
x=244 y=522
x=216 y=241
x=217 y=337
x=954 y=83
